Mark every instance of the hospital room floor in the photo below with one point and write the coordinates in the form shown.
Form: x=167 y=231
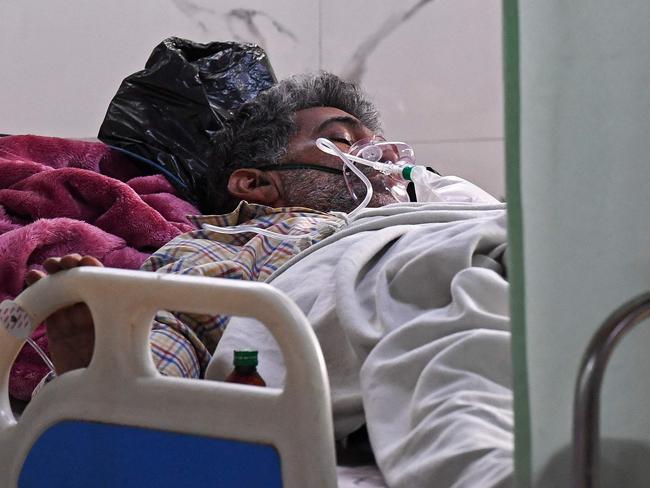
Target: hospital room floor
x=359 y=477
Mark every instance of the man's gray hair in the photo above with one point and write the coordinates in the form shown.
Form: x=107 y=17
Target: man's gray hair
x=259 y=133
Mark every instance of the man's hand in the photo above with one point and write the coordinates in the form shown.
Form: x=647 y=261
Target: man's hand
x=70 y=331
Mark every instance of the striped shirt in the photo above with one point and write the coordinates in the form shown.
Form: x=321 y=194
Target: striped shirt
x=182 y=343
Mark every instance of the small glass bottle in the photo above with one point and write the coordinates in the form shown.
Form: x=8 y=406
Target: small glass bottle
x=245 y=371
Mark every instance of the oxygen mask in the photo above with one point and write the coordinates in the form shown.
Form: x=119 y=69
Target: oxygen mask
x=373 y=165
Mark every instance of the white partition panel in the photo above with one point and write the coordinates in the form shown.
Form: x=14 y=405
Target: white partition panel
x=584 y=73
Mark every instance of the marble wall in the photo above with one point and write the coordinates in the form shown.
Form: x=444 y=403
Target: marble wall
x=432 y=66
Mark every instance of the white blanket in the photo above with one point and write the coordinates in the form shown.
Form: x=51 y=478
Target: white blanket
x=411 y=310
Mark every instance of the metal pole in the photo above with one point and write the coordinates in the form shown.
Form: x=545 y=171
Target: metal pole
x=586 y=409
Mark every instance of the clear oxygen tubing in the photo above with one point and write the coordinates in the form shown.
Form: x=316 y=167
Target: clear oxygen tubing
x=242 y=229
x=331 y=148
x=42 y=354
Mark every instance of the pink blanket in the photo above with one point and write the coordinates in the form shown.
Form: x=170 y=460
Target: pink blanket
x=60 y=196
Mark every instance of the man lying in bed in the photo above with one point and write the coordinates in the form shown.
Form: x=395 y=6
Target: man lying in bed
x=408 y=300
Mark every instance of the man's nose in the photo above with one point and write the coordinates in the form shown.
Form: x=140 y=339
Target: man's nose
x=389 y=153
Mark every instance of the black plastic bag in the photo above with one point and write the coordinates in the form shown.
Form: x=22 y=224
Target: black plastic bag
x=165 y=115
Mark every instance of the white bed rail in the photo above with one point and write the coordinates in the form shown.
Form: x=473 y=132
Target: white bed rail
x=122 y=386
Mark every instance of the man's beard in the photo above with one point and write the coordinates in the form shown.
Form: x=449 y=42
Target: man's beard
x=329 y=192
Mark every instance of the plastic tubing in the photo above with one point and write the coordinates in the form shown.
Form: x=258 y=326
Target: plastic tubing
x=241 y=229
x=41 y=353
x=329 y=147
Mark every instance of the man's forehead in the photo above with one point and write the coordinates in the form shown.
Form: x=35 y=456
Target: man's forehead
x=311 y=119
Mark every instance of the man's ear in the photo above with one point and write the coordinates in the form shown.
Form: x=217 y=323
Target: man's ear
x=256 y=186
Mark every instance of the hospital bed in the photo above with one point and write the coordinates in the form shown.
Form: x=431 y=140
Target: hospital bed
x=120 y=423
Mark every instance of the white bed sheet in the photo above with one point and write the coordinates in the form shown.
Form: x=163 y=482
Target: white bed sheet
x=411 y=311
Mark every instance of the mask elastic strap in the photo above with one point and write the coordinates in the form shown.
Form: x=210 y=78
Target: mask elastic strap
x=291 y=166
x=244 y=229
